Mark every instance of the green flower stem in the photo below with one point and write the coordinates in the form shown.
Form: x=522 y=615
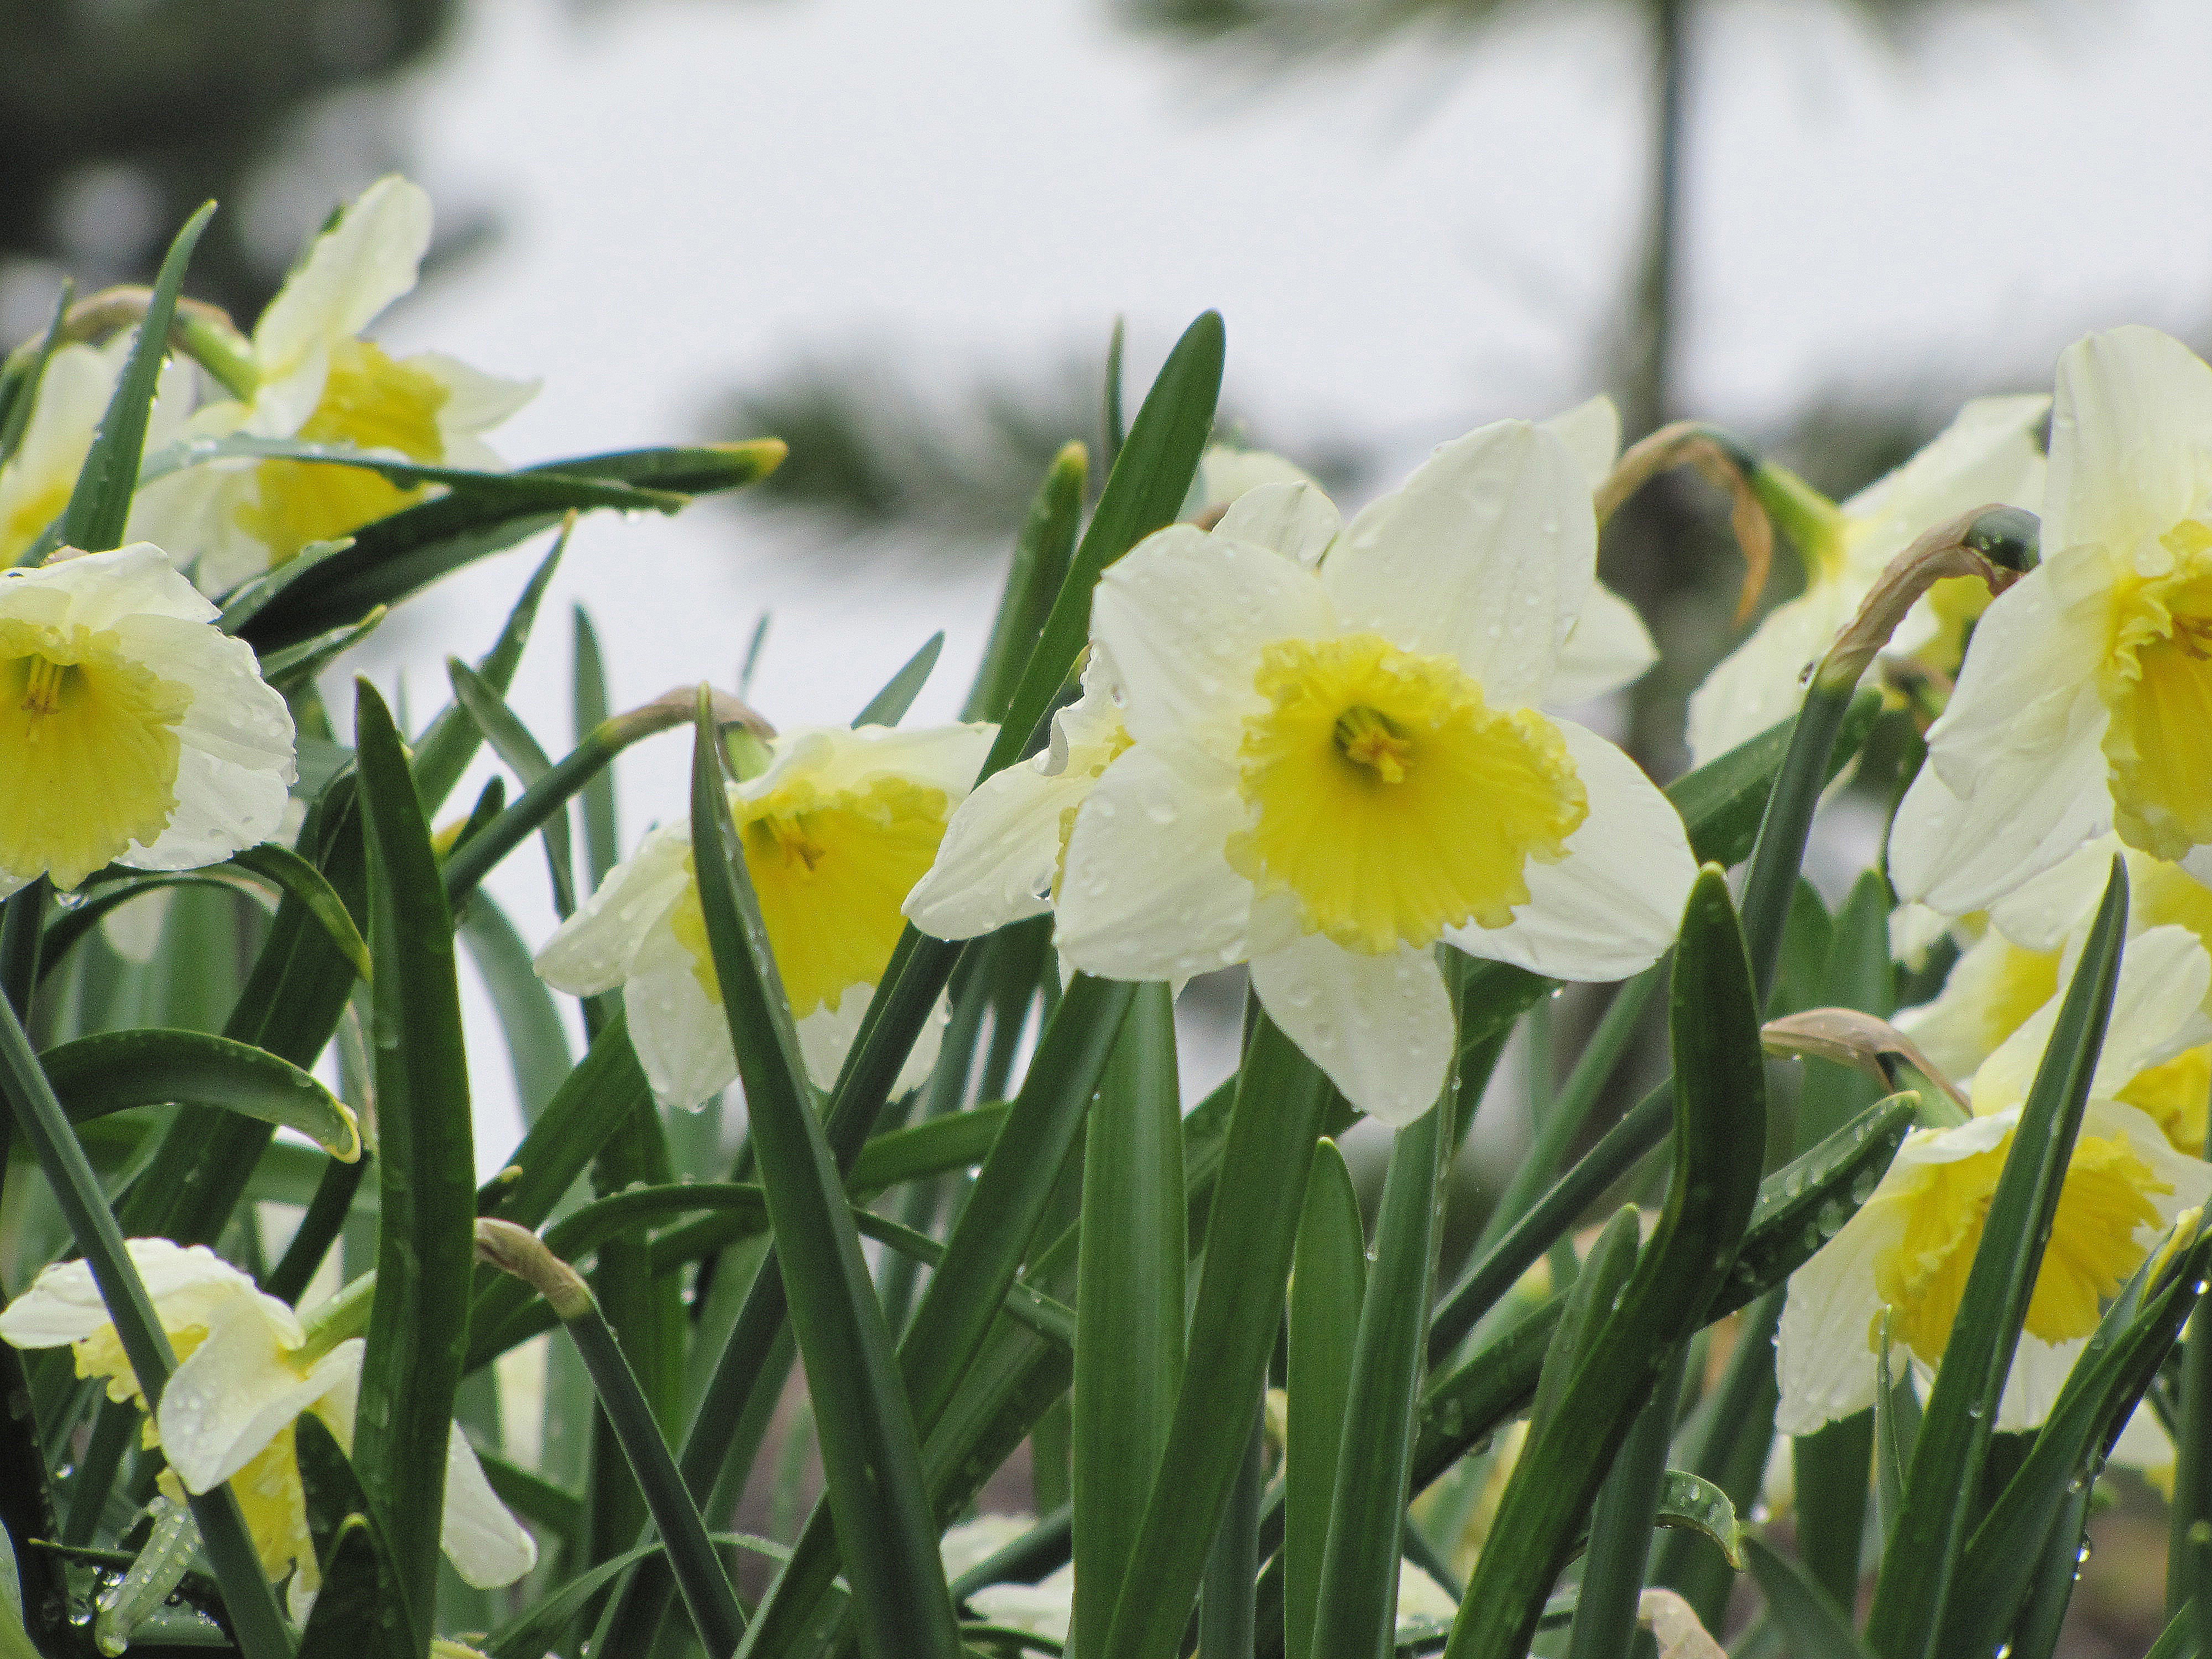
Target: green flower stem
x=2186 y=1579
x=1226 y=1603
x=474 y=860
x=1572 y=1107
x=318 y=1230
x=258 y=1625
x=698 y=1570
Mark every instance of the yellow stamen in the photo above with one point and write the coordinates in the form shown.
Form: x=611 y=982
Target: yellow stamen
x=1389 y=799
x=1368 y=738
x=42 y=688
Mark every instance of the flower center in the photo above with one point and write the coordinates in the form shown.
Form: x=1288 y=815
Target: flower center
x=1368 y=738
x=1389 y=799
x=88 y=748
x=369 y=401
x=2157 y=683
x=2091 y=1249
x=830 y=870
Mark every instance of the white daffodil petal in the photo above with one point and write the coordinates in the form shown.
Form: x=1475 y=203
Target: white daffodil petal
x=486 y=1544
x=364 y=262
x=1613 y=904
x=475 y=401
x=1487 y=556
x=62 y=1305
x=1591 y=432
x=2030 y=680
x=1608 y=649
x=1149 y=892
x=2041 y=912
x=1379 y=1026
x=1224 y=473
x=232 y=1394
x=996 y=863
x=682 y=1035
x=835 y=757
x=1763 y=679
x=1296 y=519
x=2130 y=441
x=1960 y=855
x=1822 y=1361
x=2039 y=1371
x=826 y=1037
x=591 y=951
x=1185 y=615
x=1987 y=454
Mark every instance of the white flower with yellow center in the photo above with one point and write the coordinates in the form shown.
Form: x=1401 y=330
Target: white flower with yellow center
x=73 y=395
x=2028 y=943
x=1908 y=1249
x=132 y=730
x=2086 y=702
x=1006 y=850
x=1987 y=455
x=246 y=1369
x=836 y=832
x=320 y=382
x=1332 y=771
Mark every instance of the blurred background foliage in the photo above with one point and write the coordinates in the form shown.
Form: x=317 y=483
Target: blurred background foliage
x=117 y=118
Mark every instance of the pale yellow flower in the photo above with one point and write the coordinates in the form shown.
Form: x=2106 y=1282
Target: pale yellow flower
x=837 y=831
x=132 y=730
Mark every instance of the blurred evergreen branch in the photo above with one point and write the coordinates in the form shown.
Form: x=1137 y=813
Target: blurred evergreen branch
x=874 y=451
x=117 y=120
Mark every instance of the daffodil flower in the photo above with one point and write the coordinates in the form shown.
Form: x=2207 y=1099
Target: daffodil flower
x=2029 y=940
x=2086 y=702
x=1988 y=454
x=246 y=1369
x=73 y=395
x=836 y=832
x=1332 y=771
x=319 y=381
x=1908 y=1249
x=1004 y=853
x=132 y=730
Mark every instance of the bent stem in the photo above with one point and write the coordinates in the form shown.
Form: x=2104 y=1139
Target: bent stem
x=698 y=1570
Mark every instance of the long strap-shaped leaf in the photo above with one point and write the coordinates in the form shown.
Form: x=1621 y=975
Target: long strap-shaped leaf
x=100 y=507
x=1329 y=1278
x=870 y=1457
x=1944 y=1483
x=1720 y=1135
x=985 y=1253
x=1128 y=1344
x=395 y=557
x=1281 y=1097
x=418 y=1331
x=1355 y=1612
x=114 y=1071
